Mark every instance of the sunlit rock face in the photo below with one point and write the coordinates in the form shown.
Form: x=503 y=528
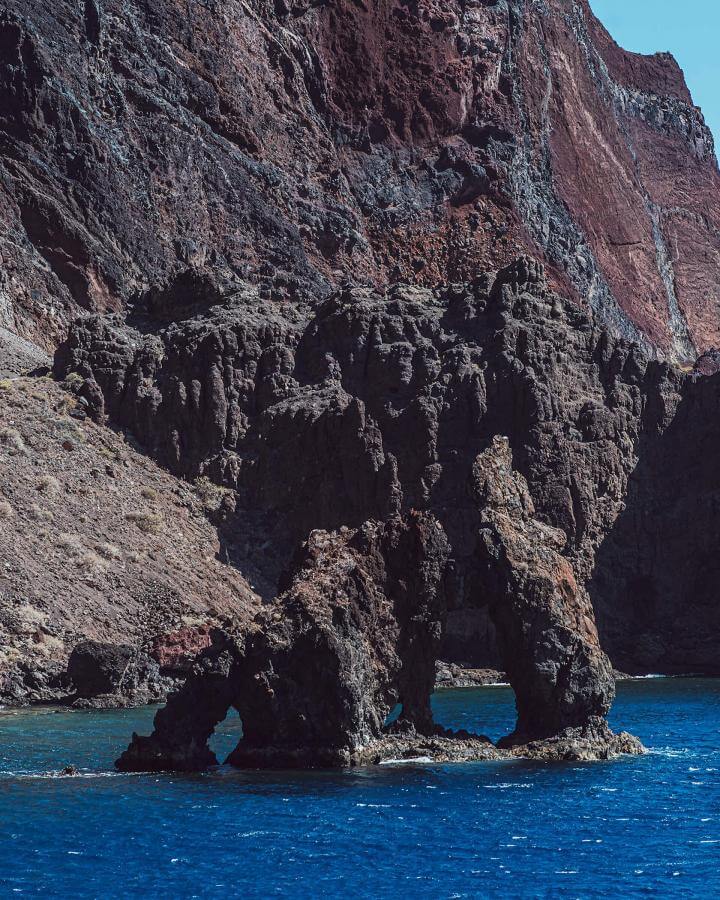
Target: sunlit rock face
x=383 y=141
x=324 y=255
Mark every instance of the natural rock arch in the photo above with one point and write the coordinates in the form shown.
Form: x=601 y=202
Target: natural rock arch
x=562 y=679
x=355 y=632
x=357 y=629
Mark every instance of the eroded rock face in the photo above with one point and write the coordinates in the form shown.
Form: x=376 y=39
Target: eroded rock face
x=289 y=147
x=107 y=675
x=376 y=405
x=184 y=725
x=380 y=403
x=276 y=219
x=355 y=631
x=100 y=545
x=544 y=619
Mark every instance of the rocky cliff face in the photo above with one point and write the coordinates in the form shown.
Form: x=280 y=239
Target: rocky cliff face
x=359 y=267
x=380 y=403
x=291 y=145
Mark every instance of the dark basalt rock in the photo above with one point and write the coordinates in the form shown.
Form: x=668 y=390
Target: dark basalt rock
x=544 y=619
x=227 y=192
x=96 y=668
x=355 y=632
x=105 y=675
x=380 y=403
x=184 y=725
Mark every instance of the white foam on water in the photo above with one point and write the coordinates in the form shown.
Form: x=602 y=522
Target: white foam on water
x=669 y=752
x=505 y=785
x=407 y=762
x=43 y=776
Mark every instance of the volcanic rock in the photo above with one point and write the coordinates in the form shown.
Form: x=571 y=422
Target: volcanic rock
x=356 y=632
x=544 y=619
x=318 y=260
x=110 y=675
x=423 y=143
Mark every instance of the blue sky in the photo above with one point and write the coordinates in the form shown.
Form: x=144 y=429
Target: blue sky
x=690 y=30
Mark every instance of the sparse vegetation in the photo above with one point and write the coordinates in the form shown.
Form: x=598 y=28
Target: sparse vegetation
x=87 y=535
x=89 y=561
x=9 y=656
x=73 y=381
x=48 y=644
x=147 y=522
x=39 y=514
x=84 y=557
x=12 y=439
x=71 y=542
x=108 y=551
x=48 y=485
x=210 y=494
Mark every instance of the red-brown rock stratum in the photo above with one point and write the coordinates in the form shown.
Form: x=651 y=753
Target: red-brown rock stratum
x=293 y=145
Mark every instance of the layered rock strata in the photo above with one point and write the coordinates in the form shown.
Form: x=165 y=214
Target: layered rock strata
x=275 y=219
x=292 y=145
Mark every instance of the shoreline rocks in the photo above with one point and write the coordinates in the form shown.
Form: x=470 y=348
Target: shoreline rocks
x=356 y=631
x=449 y=676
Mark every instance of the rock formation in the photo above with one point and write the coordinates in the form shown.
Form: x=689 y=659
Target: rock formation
x=318 y=260
x=357 y=631
x=293 y=145
x=544 y=620
x=379 y=404
x=354 y=633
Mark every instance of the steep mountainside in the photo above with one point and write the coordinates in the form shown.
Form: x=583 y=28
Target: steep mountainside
x=99 y=544
x=294 y=145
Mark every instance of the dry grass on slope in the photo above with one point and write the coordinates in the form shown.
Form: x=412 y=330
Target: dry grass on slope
x=96 y=541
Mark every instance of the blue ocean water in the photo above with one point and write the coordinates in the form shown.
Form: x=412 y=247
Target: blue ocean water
x=634 y=827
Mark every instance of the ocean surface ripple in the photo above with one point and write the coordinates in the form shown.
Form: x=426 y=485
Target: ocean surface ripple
x=635 y=827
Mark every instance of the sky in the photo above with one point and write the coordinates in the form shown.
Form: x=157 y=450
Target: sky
x=690 y=30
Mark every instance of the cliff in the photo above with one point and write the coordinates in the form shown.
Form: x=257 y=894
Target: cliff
x=293 y=145
x=349 y=268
